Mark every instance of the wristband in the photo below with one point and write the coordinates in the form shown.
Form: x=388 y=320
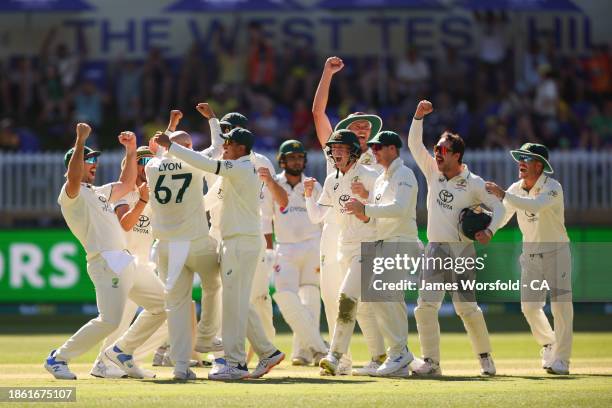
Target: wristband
x=415 y=118
x=146 y=202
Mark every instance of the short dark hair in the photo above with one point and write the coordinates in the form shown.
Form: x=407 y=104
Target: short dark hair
x=457 y=143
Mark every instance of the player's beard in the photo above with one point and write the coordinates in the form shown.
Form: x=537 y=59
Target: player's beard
x=294 y=172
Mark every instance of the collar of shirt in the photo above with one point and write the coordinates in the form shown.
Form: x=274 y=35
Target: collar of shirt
x=282 y=178
x=537 y=186
x=395 y=164
x=465 y=172
x=367 y=157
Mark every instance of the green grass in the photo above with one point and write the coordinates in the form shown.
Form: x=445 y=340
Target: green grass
x=520 y=381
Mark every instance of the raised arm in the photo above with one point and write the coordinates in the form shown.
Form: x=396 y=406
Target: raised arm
x=127 y=178
x=129 y=217
x=424 y=160
x=74 y=175
x=279 y=195
x=322 y=124
x=216 y=148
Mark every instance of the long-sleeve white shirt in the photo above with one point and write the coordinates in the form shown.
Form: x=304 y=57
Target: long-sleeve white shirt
x=393 y=203
x=540 y=214
x=446 y=198
x=291 y=223
x=336 y=193
x=239 y=191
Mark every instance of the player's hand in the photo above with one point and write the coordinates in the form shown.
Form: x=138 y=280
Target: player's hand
x=82 y=131
x=264 y=175
x=205 y=110
x=359 y=189
x=175 y=117
x=333 y=65
x=153 y=146
x=355 y=207
x=143 y=190
x=423 y=109
x=308 y=186
x=162 y=139
x=483 y=236
x=128 y=139
x=494 y=189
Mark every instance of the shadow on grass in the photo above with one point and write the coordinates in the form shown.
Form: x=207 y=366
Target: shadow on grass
x=271 y=381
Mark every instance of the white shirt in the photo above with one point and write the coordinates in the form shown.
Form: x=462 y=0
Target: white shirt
x=175 y=197
x=238 y=191
x=393 y=203
x=140 y=237
x=291 y=223
x=336 y=193
x=540 y=213
x=91 y=219
x=446 y=198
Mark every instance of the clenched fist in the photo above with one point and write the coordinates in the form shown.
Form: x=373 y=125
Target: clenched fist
x=423 y=109
x=264 y=174
x=143 y=190
x=205 y=110
x=359 y=189
x=128 y=139
x=308 y=186
x=83 y=130
x=333 y=64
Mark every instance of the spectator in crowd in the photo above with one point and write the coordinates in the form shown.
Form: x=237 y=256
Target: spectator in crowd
x=232 y=68
x=14 y=139
x=599 y=68
x=52 y=95
x=412 y=75
x=67 y=64
x=128 y=91
x=192 y=82
x=6 y=104
x=452 y=72
x=261 y=62
x=23 y=84
x=157 y=84
x=88 y=104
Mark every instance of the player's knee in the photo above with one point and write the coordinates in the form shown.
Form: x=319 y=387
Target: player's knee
x=347 y=308
x=108 y=322
x=530 y=308
x=465 y=310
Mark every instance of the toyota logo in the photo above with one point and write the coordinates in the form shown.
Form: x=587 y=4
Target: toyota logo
x=143 y=221
x=344 y=199
x=445 y=196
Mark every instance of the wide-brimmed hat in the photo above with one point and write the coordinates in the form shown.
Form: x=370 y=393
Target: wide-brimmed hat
x=375 y=120
x=535 y=150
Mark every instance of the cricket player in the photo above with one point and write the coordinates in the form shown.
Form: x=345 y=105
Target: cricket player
x=364 y=126
x=260 y=295
x=185 y=246
x=352 y=180
x=537 y=200
x=393 y=205
x=451 y=187
x=134 y=215
x=240 y=247
x=88 y=212
x=296 y=269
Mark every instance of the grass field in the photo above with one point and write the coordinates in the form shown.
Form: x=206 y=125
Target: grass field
x=520 y=381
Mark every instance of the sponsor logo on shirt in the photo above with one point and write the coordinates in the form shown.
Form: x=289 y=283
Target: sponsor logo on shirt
x=444 y=199
x=142 y=224
x=461 y=184
x=531 y=217
x=342 y=200
x=292 y=209
x=105 y=204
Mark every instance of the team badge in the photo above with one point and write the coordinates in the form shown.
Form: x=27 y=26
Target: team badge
x=115 y=282
x=228 y=165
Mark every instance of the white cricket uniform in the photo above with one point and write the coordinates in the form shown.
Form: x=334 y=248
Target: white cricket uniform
x=260 y=292
x=546 y=256
x=332 y=275
x=393 y=205
x=185 y=247
x=445 y=200
x=139 y=241
x=296 y=270
x=240 y=230
x=352 y=232
x=91 y=219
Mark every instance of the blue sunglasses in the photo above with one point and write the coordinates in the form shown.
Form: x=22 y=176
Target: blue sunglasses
x=143 y=161
x=91 y=160
x=525 y=158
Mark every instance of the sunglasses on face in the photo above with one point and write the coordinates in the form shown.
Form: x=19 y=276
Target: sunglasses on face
x=441 y=149
x=91 y=160
x=524 y=158
x=226 y=128
x=143 y=161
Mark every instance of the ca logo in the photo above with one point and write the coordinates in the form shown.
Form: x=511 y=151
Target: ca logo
x=445 y=196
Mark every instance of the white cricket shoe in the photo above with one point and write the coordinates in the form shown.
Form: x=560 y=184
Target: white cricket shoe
x=345 y=367
x=299 y=361
x=429 y=368
x=101 y=369
x=184 y=375
x=124 y=361
x=59 y=369
x=212 y=347
x=225 y=371
x=370 y=368
x=559 y=367
x=160 y=353
x=329 y=364
x=267 y=363
x=394 y=363
x=316 y=358
x=487 y=366
x=547 y=356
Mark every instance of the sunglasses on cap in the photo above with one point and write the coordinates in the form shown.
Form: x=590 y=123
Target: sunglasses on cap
x=525 y=158
x=441 y=149
x=91 y=160
x=376 y=147
x=144 y=160
x=226 y=128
